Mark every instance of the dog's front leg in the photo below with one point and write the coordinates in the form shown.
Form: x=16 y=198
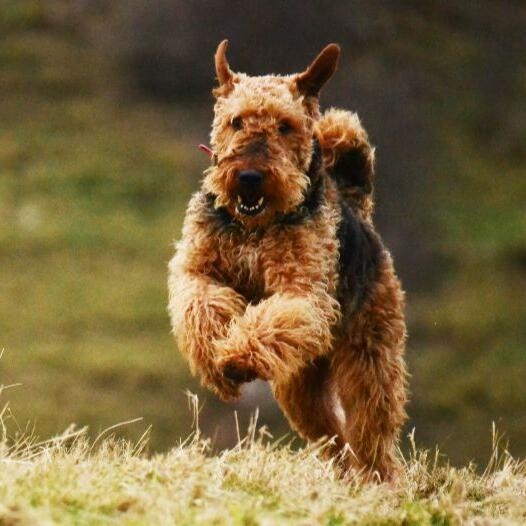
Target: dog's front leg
x=201 y=310
x=277 y=337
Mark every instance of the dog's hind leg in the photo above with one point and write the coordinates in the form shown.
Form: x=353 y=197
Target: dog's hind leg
x=369 y=371
x=307 y=401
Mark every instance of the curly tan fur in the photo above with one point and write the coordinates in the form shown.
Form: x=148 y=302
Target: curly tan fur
x=287 y=280
x=340 y=133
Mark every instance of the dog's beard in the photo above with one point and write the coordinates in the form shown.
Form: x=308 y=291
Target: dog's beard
x=282 y=192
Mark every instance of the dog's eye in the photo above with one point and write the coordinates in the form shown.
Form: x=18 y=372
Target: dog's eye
x=237 y=123
x=285 y=127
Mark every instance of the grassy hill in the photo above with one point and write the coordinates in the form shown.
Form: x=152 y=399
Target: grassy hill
x=70 y=480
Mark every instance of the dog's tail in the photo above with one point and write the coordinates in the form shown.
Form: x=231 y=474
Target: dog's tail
x=348 y=158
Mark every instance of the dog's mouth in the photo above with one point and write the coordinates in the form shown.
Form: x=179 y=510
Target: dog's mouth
x=250 y=204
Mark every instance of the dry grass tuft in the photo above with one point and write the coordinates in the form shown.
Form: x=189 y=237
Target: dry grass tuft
x=70 y=480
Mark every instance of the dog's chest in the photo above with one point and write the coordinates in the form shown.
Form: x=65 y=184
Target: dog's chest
x=241 y=266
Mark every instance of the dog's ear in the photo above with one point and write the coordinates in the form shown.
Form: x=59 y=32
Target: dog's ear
x=223 y=71
x=319 y=72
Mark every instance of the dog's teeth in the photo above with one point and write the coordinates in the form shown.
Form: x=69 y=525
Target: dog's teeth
x=247 y=208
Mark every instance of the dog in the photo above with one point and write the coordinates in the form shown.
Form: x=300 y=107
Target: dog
x=280 y=274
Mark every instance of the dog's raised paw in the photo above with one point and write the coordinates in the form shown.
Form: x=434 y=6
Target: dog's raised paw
x=235 y=373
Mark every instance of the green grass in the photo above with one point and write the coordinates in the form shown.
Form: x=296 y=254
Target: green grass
x=467 y=351
x=72 y=480
x=92 y=194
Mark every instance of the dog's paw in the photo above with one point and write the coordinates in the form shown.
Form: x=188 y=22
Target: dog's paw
x=227 y=389
x=239 y=369
x=234 y=373
x=236 y=370
x=239 y=360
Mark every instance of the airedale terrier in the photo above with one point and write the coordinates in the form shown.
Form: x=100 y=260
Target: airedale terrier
x=280 y=274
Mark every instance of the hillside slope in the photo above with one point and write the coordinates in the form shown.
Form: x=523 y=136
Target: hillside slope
x=68 y=480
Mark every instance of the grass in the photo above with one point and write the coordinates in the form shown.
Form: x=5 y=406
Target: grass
x=72 y=480
x=91 y=197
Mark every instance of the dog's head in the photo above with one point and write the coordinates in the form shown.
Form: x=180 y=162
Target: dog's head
x=262 y=138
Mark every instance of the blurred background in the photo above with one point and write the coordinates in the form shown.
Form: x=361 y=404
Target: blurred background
x=102 y=104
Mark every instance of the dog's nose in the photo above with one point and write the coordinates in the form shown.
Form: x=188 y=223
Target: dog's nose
x=250 y=178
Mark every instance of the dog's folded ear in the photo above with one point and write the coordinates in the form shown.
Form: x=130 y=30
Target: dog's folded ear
x=319 y=72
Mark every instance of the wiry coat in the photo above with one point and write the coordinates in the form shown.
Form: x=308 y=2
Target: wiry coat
x=291 y=283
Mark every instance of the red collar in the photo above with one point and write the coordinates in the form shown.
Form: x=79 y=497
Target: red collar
x=206 y=149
